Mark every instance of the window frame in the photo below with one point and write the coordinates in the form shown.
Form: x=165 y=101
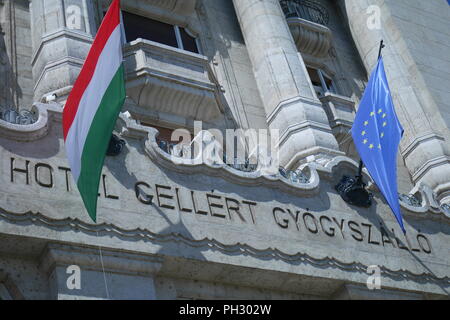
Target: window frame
x=180 y=39
x=322 y=75
x=177 y=33
x=196 y=38
x=324 y=87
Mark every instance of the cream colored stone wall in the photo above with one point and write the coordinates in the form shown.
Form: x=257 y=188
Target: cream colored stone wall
x=185 y=230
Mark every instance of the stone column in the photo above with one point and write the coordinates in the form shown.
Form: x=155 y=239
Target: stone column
x=289 y=99
x=76 y=273
x=8 y=66
x=425 y=147
x=62 y=32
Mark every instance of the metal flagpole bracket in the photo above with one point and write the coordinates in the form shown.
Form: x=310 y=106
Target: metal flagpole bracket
x=353 y=190
x=115 y=146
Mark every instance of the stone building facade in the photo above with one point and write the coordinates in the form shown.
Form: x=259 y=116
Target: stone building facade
x=184 y=229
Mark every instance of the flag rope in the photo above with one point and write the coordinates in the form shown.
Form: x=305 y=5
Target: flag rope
x=103 y=270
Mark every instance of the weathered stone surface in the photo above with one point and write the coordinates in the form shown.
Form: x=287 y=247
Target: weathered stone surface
x=62 y=35
x=186 y=230
x=310 y=38
x=425 y=146
x=147 y=207
x=291 y=104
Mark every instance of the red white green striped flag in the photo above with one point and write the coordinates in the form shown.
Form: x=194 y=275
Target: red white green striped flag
x=93 y=106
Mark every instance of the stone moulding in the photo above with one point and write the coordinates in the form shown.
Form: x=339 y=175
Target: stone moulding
x=182 y=7
x=313 y=170
x=34 y=131
x=112 y=261
x=77 y=225
x=52 y=113
x=309 y=37
x=57 y=35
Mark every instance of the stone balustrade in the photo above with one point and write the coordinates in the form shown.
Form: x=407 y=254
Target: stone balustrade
x=170 y=80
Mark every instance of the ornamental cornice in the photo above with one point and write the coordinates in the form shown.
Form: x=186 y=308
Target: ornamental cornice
x=52 y=114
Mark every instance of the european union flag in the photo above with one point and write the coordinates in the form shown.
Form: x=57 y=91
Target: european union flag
x=377 y=134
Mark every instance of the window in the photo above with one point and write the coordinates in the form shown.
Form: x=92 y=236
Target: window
x=140 y=27
x=321 y=82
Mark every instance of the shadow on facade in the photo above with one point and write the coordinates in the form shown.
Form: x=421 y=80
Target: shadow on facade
x=48 y=147
x=10 y=90
x=128 y=180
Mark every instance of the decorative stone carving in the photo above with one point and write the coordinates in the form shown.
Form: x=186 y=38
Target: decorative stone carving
x=170 y=80
x=47 y=113
x=24 y=117
x=182 y=7
x=136 y=232
x=34 y=131
x=410 y=200
x=291 y=105
x=310 y=38
x=185 y=151
x=307 y=21
x=306 y=9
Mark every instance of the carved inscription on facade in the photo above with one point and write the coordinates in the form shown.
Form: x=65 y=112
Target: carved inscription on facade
x=224 y=207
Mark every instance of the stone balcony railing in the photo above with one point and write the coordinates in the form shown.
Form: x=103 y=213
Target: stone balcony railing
x=170 y=80
x=307 y=21
x=341 y=113
x=22 y=117
x=186 y=151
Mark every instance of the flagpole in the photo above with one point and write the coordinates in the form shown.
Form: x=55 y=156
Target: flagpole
x=381 y=48
x=361 y=163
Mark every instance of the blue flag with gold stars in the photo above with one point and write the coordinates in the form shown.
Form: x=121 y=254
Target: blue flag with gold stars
x=377 y=133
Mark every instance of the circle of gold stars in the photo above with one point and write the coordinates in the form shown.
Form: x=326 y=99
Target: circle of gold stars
x=365 y=141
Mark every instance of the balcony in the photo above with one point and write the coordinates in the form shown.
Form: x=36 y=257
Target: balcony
x=171 y=80
x=308 y=21
x=341 y=113
x=305 y=9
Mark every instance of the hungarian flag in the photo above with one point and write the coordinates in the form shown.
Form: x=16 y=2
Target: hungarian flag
x=93 y=106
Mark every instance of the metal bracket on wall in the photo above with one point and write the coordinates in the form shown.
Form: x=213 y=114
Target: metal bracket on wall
x=116 y=146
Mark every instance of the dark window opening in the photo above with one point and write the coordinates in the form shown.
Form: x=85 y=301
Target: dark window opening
x=140 y=27
x=315 y=79
x=189 y=42
x=329 y=83
x=321 y=82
